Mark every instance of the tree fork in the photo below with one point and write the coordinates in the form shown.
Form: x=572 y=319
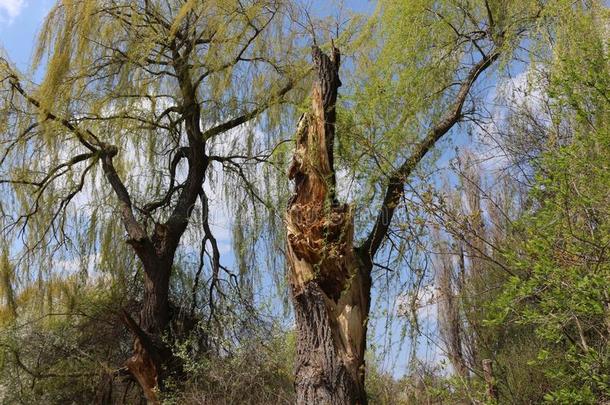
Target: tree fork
x=330 y=285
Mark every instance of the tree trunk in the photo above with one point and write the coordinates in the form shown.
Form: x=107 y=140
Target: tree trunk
x=331 y=342
x=151 y=360
x=154 y=316
x=330 y=285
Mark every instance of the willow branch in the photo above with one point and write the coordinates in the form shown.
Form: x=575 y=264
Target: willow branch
x=395 y=188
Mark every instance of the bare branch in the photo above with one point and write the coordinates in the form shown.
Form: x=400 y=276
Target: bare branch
x=242 y=119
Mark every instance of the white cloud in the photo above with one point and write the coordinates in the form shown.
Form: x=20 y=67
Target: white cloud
x=9 y=9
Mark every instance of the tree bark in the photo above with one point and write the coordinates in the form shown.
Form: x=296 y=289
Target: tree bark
x=330 y=284
x=152 y=359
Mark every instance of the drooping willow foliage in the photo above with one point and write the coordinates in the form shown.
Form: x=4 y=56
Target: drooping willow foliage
x=109 y=78
x=411 y=60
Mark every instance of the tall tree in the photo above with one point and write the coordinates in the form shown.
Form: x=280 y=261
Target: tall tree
x=137 y=91
x=418 y=83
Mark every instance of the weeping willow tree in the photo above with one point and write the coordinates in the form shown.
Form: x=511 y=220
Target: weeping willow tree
x=421 y=66
x=138 y=101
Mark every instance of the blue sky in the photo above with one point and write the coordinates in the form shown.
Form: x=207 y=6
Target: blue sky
x=20 y=21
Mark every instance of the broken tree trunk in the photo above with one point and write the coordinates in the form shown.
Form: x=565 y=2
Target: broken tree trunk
x=330 y=285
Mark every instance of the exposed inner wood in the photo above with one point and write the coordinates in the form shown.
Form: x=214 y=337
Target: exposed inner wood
x=330 y=289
